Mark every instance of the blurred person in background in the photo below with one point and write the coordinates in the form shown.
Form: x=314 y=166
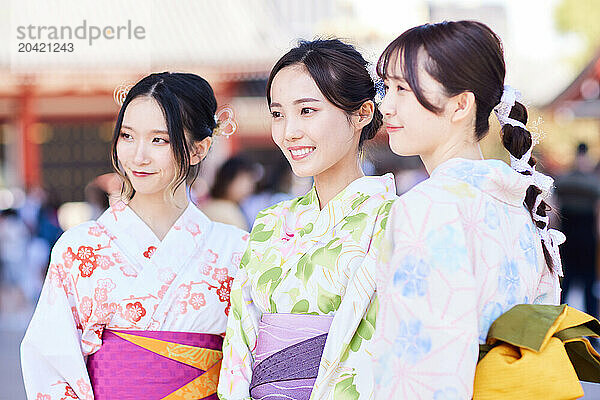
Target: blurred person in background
x=14 y=242
x=273 y=188
x=578 y=193
x=39 y=212
x=234 y=183
x=150 y=279
x=96 y=198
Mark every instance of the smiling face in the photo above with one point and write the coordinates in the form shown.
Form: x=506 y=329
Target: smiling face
x=413 y=129
x=143 y=147
x=315 y=136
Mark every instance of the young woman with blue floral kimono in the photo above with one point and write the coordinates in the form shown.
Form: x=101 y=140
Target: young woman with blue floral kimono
x=303 y=302
x=470 y=242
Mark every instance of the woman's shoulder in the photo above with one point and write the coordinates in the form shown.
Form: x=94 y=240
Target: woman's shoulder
x=79 y=234
x=457 y=181
x=283 y=207
x=430 y=204
x=227 y=239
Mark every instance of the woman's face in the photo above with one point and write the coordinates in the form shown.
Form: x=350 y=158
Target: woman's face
x=143 y=147
x=413 y=129
x=315 y=136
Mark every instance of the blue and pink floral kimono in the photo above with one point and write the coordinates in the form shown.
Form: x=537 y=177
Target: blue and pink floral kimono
x=460 y=250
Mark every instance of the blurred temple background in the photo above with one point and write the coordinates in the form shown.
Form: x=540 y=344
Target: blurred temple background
x=57 y=115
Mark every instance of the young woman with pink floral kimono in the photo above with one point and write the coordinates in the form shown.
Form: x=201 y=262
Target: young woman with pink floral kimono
x=135 y=303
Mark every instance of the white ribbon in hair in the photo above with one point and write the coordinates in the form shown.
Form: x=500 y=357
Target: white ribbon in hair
x=522 y=164
x=502 y=110
x=544 y=182
x=552 y=238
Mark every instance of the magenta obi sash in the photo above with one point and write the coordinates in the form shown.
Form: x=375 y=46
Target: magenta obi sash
x=288 y=353
x=156 y=365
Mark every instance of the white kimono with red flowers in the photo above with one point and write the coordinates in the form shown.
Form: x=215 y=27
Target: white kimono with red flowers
x=114 y=273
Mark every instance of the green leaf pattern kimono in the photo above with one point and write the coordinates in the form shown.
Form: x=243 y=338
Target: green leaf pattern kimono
x=304 y=260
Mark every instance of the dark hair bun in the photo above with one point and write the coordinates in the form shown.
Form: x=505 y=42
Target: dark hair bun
x=370 y=130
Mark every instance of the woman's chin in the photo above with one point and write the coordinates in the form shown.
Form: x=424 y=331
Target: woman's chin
x=302 y=172
x=403 y=151
x=148 y=192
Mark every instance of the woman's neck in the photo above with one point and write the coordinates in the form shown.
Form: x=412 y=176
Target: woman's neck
x=158 y=211
x=463 y=149
x=331 y=182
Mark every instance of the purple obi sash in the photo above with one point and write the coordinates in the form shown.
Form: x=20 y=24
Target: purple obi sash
x=156 y=365
x=288 y=353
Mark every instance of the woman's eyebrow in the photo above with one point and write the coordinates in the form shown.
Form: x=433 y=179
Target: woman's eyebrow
x=299 y=101
x=305 y=100
x=152 y=131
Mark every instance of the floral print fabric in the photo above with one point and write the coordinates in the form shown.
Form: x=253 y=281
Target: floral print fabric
x=460 y=249
x=114 y=273
x=304 y=260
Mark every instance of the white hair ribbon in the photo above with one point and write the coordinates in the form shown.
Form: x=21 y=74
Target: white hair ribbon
x=502 y=110
x=552 y=238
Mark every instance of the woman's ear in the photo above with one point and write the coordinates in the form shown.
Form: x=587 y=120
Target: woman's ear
x=200 y=150
x=463 y=107
x=364 y=115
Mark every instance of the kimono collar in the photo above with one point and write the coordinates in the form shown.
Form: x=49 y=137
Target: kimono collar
x=122 y=218
x=128 y=221
x=493 y=177
x=139 y=243
x=352 y=195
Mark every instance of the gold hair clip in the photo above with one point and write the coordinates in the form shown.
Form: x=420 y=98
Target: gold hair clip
x=226 y=125
x=120 y=93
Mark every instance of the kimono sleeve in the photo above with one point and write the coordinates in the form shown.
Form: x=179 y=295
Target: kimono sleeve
x=240 y=339
x=51 y=354
x=426 y=341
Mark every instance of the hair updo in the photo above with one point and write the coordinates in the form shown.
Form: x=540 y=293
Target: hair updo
x=340 y=72
x=188 y=104
x=465 y=56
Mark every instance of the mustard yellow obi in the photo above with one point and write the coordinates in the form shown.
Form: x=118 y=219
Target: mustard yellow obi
x=537 y=352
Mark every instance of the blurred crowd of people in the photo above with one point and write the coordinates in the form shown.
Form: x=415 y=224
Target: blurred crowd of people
x=27 y=234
